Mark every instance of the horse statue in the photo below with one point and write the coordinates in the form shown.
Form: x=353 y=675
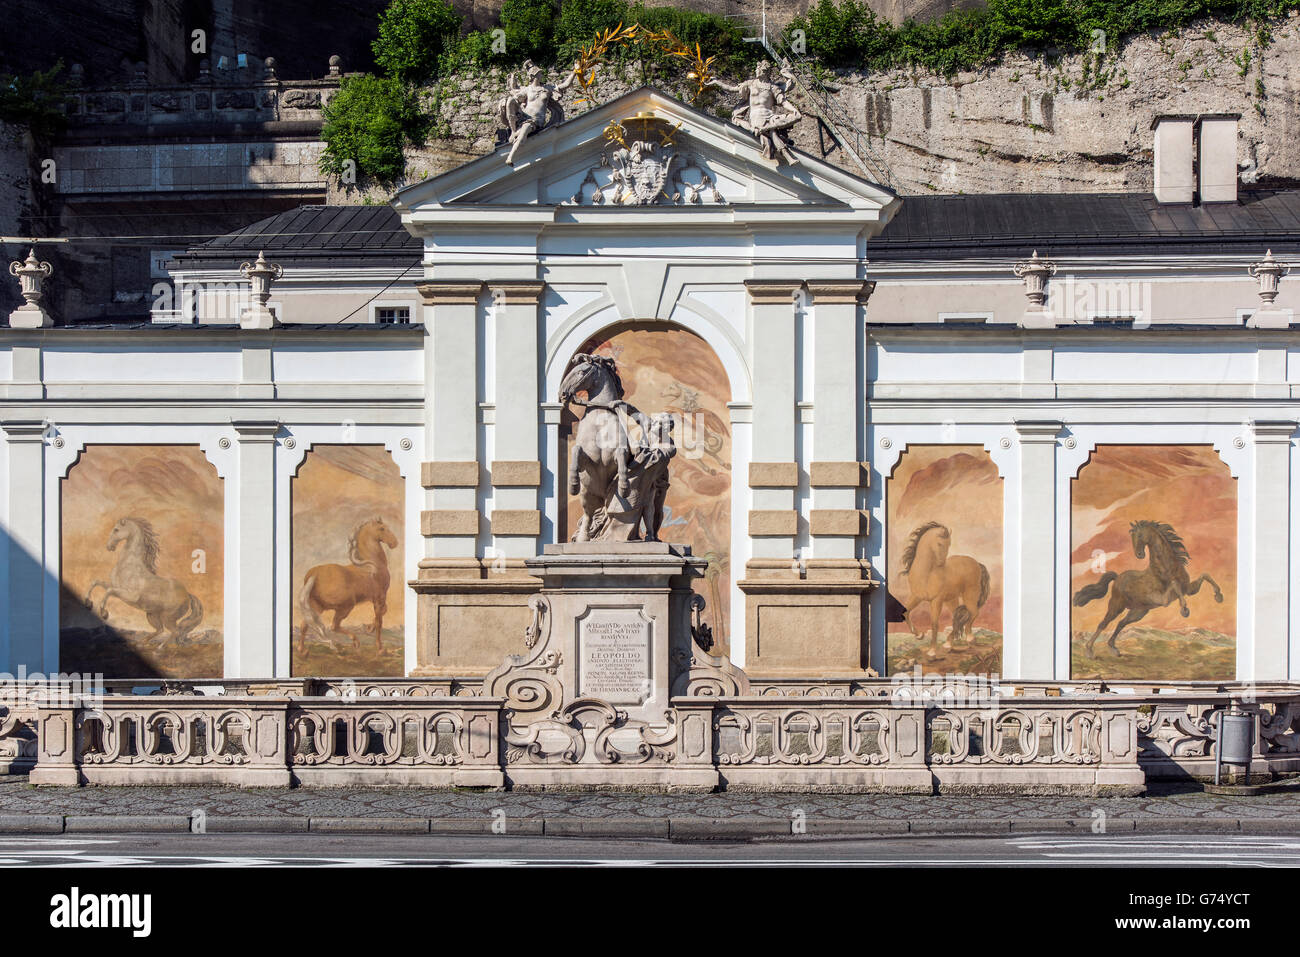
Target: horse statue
x=621 y=489
x=941 y=579
x=171 y=609
x=340 y=588
x=1165 y=579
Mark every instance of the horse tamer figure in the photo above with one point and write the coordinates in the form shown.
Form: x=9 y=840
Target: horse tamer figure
x=622 y=488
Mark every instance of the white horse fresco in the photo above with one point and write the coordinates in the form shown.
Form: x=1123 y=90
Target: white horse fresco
x=170 y=607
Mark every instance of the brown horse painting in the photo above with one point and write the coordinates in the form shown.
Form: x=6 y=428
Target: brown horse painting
x=340 y=588
x=171 y=609
x=1135 y=593
x=943 y=580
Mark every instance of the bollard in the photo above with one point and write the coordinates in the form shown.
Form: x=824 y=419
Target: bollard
x=1234 y=741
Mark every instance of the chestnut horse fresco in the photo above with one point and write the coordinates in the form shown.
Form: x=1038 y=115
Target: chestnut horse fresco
x=340 y=588
x=1165 y=579
x=171 y=609
x=943 y=580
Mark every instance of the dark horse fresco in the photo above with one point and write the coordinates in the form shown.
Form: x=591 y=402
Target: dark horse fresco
x=1135 y=592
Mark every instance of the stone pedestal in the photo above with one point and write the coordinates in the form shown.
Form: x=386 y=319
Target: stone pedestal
x=610 y=643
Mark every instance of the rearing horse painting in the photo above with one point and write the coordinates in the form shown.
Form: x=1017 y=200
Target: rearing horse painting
x=1135 y=592
x=170 y=607
x=340 y=588
x=943 y=580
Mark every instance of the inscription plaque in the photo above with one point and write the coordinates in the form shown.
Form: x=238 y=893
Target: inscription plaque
x=614 y=656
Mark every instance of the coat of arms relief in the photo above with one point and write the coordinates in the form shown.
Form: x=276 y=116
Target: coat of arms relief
x=642 y=167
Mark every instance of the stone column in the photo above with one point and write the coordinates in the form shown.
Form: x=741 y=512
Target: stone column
x=253 y=655
x=24 y=541
x=472 y=610
x=1029 y=652
x=1271 y=558
x=774 y=472
x=450 y=520
x=839 y=405
x=516 y=470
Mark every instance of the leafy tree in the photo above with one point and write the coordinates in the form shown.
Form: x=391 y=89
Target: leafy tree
x=35 y=100
x=530 y=28
x=369 y=121
x=413 y=35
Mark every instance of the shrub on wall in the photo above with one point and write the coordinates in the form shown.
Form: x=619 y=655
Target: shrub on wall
x=845 y=33
x=413 y=36
x=368 y=122
x=529 y=26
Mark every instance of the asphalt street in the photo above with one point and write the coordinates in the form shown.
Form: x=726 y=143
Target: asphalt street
x=272 y=850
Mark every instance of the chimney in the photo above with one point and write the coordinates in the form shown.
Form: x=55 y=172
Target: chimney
x=1217 y=157
x=1196 y=158
x=1174 y=178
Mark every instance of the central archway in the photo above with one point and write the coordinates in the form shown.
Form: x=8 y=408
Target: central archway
x=667 y=368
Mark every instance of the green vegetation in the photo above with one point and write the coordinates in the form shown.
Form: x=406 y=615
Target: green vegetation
x=367 y=123
x=34 y=101
x=413 y=35
x=845 y=33
x=421 y=42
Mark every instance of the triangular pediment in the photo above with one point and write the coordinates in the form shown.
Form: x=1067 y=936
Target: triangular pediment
x=709 y=164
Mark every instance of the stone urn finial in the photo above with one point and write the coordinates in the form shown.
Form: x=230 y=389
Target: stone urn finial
x=336 y=65
x=1034 y=271
x=259 y=275
x=1268 y=271
x=32 y=274
x=1268 y=316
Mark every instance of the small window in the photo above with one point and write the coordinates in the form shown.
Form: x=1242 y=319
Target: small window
x=393 y=315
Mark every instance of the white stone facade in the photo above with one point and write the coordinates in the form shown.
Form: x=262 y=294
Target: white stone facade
x=832 y=359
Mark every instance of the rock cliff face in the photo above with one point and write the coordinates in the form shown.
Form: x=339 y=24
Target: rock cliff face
x=1029 y=124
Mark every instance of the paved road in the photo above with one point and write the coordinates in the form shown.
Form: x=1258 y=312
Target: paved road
x=271 y=850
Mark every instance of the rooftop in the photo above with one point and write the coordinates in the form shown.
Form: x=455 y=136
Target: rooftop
x=926 y=227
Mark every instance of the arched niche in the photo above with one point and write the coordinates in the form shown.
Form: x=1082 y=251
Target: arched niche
x=668 y=368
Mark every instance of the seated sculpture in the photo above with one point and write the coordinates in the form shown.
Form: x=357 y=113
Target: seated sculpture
x=525 y=110
x=765 y=111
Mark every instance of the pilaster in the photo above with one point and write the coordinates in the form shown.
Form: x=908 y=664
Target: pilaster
x=23 y=615
x=252 y=652
x=1271 y=556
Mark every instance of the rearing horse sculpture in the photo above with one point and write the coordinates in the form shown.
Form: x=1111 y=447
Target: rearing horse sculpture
x=1137 y=592
x=621 y=489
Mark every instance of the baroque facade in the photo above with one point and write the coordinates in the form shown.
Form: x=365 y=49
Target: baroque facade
x=1049 y=437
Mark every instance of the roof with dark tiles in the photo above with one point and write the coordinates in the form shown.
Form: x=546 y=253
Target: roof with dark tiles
x=980 y=226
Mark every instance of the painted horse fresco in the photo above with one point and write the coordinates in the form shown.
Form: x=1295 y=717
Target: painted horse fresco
x=1136 y=592
x=340 y=588
x=168 y=605
x=943 y=580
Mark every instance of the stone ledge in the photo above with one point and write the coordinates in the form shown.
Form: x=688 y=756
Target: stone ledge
x=840 y=290
x=510 y=474
x=449 y=474
x=781 y=522
x=773 y=291
x=516 y=521
x=449 y=521
x=457 y=292
x=773 y=475
x=839 y=475
x=836 y=521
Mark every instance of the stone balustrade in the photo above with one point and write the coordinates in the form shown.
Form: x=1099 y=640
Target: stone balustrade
x=411 y=732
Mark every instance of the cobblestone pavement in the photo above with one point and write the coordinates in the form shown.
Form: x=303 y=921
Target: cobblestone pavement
x=17 y=797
